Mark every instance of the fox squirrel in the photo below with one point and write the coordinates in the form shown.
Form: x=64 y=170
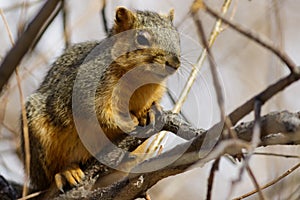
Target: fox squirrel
x=55 y=147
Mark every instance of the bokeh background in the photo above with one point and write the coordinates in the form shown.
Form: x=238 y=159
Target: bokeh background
x=245 y=69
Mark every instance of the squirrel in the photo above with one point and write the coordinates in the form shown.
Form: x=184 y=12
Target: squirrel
x=56 y=150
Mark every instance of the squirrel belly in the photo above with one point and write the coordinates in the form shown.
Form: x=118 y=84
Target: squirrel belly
x=129 y=67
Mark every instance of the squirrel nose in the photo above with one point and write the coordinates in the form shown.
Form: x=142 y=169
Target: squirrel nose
x=172 y=63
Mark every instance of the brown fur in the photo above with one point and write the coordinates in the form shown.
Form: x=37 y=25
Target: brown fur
x=54 y=141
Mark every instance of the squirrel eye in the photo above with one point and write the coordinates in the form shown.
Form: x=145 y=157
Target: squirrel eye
x=142 y=38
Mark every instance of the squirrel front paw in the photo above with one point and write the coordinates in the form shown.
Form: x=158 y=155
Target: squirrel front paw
x=149 y=117
x=72 y=175
x=149 y=122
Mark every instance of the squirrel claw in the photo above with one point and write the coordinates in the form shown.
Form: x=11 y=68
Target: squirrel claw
x=72 y=175
x=59 y=182
x=153 y=123
x=154 y=112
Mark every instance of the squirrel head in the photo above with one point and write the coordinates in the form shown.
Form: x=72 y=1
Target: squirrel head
x=144 y=37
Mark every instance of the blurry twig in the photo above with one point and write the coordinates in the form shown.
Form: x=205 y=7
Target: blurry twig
x=253 y=36
x=220 y=96
x=181 y=22
x=25 y=135
x=46 y=25
x=288 y=172
x=24 y=118
x=256 y=130
x=263 y=96
x=275 y=154
x=64 y=18
x=255 y=141
x=254 y=180
x=192 y=77
x=18 y=5
x=11 y=39
x=278 y=20
x=210 y=181
x=103 y=16
x=15 y=55
x=22 y=18
x=5 y=97
x=32 y=195
x=174 y=102
x=212 y=64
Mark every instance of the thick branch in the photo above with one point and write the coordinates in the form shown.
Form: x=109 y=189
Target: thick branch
x=276 y=128
x=264 y=96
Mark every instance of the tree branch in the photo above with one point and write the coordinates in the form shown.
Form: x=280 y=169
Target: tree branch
x=15 y=55
x=276 y=128
x=263 y=96
x=250 y=34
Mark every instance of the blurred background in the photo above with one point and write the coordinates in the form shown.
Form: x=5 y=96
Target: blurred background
x=244 y=67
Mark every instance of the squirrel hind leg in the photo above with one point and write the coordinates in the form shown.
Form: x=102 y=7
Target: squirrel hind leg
x=72 y=175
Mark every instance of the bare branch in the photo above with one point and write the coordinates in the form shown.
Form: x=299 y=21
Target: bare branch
x=18 y=5
x=263 y=96
x=212 y=64
x=134 y=185
x=196 y=68
x=276 y=155
x=24 y=118
x=22 y=45
x=65 y=23
x=103 y=16
x=254 y=180
x=288 y=172
x=210 y=181
x=255 y=37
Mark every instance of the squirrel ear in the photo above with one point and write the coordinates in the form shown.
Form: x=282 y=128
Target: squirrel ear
x=124 y=19
x=171 y=14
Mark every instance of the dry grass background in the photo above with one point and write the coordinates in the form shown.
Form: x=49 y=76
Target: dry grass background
x=245 y=69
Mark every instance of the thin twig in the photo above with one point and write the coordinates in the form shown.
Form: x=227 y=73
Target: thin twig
x=18 y=5
x=196 y=68
x=174 y=102
x=24 y=118
x=46 y=25
x=25 y=135
x=255 y=37
x=9 y=33
x=254 y=180
x=278 y=20
x=32 y=195
x=276 y=155
x=212 y=64
x=22 y=18
x=288 y=172
x=210 y=181
x=254 y=143
x=244 y=167
x=103 y=16
x=220 y=96
x=192 y=77
x=257 y=124
x=16 y=54
x=181 y=22
x=64 y=18
x=7 y=127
